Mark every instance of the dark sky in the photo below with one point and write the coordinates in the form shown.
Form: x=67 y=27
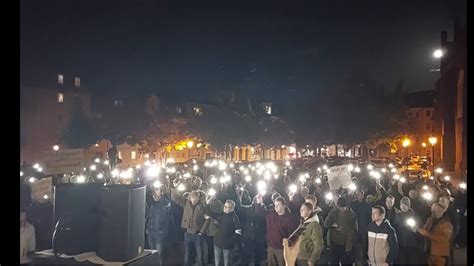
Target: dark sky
x=271 y=50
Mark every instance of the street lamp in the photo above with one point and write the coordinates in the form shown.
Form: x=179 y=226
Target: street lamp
x=190 y=144
x=438 y=53
x=56 y=148
x=424 y=148
x=405 y=143
x=432 y=141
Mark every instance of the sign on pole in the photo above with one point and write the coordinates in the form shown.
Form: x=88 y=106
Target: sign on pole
x=64 y=161
x=339 y=176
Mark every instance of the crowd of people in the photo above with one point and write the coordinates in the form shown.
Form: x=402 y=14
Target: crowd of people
x=246 y=217
x=376 y=221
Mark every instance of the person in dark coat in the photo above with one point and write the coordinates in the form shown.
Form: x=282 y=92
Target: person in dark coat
x=363 y=213
x=390 y=209
x=409 y=241
x=227 y=234
x=158 y=222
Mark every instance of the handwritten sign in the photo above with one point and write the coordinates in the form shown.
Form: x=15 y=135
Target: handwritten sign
x=339 y=176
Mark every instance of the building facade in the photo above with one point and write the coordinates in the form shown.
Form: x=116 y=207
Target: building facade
x=45 y=110
x=451 y=101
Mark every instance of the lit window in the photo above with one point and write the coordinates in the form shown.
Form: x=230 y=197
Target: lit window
x=268 y=110
x=197 y=111
x=120 y=155
x=60 y=79
x=179 y=110
x=134 y=155
x=60 y=97
x=428 y=113
x=77 y=82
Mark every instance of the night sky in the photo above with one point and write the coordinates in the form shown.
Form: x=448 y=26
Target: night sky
x=272 y=50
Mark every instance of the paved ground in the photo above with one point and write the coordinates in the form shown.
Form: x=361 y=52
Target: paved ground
x=176 y=256
x=460 y=256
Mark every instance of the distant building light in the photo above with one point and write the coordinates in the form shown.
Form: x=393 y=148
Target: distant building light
x=60 y=79
x=179 y=110
x=134 y=155
x=60 y=97
x=197 y=111
x=77 y=82
x=267 y=107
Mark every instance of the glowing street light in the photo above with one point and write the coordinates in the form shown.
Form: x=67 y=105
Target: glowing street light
x=406 y=143
x=432 y=141
x=56 y=148
x=438 y=53
x=463 y=186
x=190 y=144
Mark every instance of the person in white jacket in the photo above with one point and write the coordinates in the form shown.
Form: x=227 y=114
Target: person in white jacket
x=27 y=239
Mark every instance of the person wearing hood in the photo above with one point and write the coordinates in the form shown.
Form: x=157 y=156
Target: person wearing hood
x=158 y=221
x=409 y=241
x=280 y=224
x=342 y=225
x=311 y=244
x=317 y=211
x=383 y=243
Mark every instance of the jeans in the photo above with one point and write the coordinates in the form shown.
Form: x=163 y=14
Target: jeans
x=192 y=241
x=221 y=255
x=208 y=249
x=156 y=242
x=248 y=252
x=338 y=253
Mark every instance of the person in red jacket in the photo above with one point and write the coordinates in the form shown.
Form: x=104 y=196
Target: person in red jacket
x=280 y=224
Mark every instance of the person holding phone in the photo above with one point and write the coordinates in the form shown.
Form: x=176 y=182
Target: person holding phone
x=342 y=225
x=280 y=223
x=311 y=237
